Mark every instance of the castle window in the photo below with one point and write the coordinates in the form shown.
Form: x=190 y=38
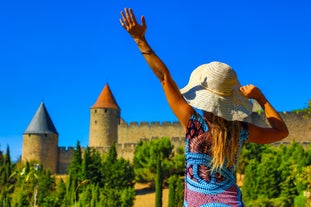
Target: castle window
x=105 y=110
x=29 y=135
x=95 y=121
x=95 y=111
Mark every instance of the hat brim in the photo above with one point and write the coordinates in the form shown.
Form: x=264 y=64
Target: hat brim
x=235 y=107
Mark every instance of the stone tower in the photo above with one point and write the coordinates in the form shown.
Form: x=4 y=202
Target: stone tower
x=104 y=120
x=40 y=140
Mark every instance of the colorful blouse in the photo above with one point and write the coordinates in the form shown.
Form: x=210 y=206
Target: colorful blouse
x=204 y=188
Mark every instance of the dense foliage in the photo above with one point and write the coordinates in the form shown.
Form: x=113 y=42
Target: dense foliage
x=92 y=181
x=176 y=191
x=145 y=159
x=275 y=176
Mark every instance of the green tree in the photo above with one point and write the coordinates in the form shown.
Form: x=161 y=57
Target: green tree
x=74 y=173
x=34 y=186
x=145 y=159
x=250 y=185
x=116 y=197
x=268 y=176
x=272 y=181
x=176 y=191
x=60 y=194
x=176 y=165
x=249 y=152
x=158 y=183
x=86 y=195
x=92 y=165
x=20 y=198
x=117 y=173
x=7 y=181
x=45 y=188
x=305 y=178
x=107 y=181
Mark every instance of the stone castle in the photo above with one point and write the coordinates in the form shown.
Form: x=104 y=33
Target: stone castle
x=40 y=139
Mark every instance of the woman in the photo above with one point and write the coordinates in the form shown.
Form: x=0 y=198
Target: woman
x=214 y=139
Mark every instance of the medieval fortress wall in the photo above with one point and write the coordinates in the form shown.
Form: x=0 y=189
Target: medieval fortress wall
x=40 y=140
x=130 y=134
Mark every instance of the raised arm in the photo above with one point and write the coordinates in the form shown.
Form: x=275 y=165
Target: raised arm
x=278 y=129
x=179 y=106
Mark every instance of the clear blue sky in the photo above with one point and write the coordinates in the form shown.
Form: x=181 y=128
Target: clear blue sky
x=63 y=52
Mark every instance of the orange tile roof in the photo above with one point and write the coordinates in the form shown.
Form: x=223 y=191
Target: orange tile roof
x=106 y=99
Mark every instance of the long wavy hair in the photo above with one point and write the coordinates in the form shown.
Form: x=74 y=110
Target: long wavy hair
x=225 y=145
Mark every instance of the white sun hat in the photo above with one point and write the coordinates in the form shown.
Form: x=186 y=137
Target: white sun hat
x=214 y=87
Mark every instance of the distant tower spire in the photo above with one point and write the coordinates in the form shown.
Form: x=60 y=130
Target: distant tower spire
x=40 y=140
x=41 y=122
x=104 y=120
x=106 y=99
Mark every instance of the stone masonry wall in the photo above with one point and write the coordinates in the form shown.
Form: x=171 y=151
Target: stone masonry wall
x=133 y=132
x=41 y=148
x=299 y=125
x=64 y=159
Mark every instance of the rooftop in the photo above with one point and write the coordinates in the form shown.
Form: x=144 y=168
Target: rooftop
x=41 y=122
x=106 y=99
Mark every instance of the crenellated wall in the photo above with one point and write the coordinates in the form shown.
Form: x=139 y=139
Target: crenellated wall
x=134 y=131
x=64 y=159
x=299 y=125
x=129 y=134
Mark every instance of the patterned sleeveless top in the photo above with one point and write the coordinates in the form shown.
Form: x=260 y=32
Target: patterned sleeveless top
x=204 y=188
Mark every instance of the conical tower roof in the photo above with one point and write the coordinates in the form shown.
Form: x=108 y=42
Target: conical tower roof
x=106 y=99
x=41 y=123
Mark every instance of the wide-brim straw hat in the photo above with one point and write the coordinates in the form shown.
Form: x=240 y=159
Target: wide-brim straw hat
x=214 y=87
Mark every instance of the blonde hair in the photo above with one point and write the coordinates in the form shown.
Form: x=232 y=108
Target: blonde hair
x=225 y=144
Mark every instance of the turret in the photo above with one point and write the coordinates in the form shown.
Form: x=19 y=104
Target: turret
x=104 y=120
x=40 y=140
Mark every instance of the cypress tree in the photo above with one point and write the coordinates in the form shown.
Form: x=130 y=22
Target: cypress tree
x=74 y=174
x=76 y=163
x=158 y=183
x=176 y=191
x=171 y=192
x=85 y=164
x=179 y=192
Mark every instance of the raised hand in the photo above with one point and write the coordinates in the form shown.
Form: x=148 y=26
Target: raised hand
x=130 y=24
x=251 y=91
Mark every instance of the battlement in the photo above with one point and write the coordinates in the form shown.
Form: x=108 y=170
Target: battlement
x=298 y=123
x=63 y=149
x=129 y=134
x=64 y=158
x=150 y=124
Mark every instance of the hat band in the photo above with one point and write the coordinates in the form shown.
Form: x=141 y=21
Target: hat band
x=217 y=92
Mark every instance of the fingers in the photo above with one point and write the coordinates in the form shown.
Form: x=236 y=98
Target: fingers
x=129 y=23
x=251 y=91
x=246 y=90
x=124 y=19
x=132 y=16
x=242 y=89
x=247 y=87
x=128 y=17
x=143 y=21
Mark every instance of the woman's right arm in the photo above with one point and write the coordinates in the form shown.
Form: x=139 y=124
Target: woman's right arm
x=179 y=106
x=261 y=135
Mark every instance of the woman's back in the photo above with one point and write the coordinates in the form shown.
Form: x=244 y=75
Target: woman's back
x=204 y=187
